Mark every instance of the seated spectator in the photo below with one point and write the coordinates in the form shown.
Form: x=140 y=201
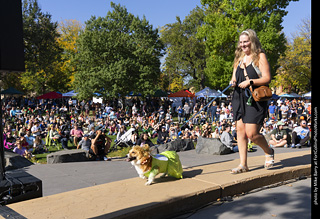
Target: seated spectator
x=6 y=144
x=54 y=134
x=64 y=136
x=43 y=126
x=91 y=131
x=144 y=140
x=85 y=143
x=300 y=135
x=25 y=144
x=186 y=134
x=36 y=130
x=215 y=134
x=112 y=129
x=15 y=134
x=197 y=131
x=173 y=135
x=39 y=146
x=22 y=151
x=126 y=121
x=226 y=138
x=206 y=131
x=203 y=118
x=223 y=116
x=77 y=134
x=163 y=136
x=194 y=136
x=146 y=128
x=121 y=132
x=134 y=138
x=100 y=145
x=263 y=129
x=271 y=123
x=10 y=139
x=278 y=136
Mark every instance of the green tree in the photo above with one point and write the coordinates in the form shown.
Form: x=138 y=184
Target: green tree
x=117 y=54
x=295 y=65
x=42 y=52
x=185 y=52
x=226 y=19
x=69 y=31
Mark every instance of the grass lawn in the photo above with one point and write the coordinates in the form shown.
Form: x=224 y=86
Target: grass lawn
x=121 y=152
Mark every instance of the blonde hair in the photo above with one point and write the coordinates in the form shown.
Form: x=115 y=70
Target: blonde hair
x=256 y=48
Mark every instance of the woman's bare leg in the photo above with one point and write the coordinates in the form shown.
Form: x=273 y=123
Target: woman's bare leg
x=242 y=142
x=252 y=131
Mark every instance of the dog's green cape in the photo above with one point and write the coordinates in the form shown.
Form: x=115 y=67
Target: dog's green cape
x=170 y=164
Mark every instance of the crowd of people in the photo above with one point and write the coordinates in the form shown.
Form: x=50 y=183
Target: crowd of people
x=32 y=126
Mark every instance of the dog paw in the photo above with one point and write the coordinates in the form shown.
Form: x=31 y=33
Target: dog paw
x=142 y=176
x=148 y=183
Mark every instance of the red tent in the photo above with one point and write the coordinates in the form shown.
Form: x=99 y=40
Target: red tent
x=182 y=93
x=50 y=95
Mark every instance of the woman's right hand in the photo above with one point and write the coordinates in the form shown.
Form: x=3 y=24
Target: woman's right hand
x=233 y=83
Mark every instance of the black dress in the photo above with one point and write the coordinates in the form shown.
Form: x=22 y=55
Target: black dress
x=249 y=114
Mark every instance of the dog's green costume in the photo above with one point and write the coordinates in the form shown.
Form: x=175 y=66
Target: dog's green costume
x=166 y=162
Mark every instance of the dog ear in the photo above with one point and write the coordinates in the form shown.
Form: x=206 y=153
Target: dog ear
x=146 y=148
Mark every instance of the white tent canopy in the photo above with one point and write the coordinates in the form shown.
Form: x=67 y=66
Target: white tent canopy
x=307 y=95
x=207 y=92
x=295 y=95
x=222 y=95
x=70 y=94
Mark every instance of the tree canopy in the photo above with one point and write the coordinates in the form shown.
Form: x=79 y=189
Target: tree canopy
x=69 y=31
x=224 y=22
x=295 y=64
x=120 y=53
x=117 y=54
x=185 y=52
x=42 y=51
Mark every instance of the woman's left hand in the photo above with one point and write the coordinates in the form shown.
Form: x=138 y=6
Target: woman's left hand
x=244 y=84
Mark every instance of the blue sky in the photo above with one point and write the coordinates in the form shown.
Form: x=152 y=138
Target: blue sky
x=158 y=12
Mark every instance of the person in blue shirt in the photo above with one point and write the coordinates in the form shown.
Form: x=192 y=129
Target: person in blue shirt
x=213 y=112
x=272 y=110
x=180 y=114
x=13 y=112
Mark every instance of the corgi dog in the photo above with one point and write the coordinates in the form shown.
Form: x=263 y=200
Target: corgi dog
x=149 y=166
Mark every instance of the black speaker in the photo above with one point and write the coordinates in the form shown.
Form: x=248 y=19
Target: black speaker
x=11 y=36
x=19 y=186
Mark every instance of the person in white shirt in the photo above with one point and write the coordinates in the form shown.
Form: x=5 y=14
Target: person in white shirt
x=134 y=109
x=223 y=116
x=300 y=135
x=284 y=111
x=36 y=130
x=227 y=139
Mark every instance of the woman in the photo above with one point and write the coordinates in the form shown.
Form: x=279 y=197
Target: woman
x=39 y=145
x=249 y=55
x=144 y=140
x=22 y=151
x=54 y=133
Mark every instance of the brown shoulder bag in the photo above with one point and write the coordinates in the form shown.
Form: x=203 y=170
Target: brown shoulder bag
x=261 y=93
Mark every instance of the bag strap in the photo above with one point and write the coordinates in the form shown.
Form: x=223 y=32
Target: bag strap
x=259 y=73
x=246 y=76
